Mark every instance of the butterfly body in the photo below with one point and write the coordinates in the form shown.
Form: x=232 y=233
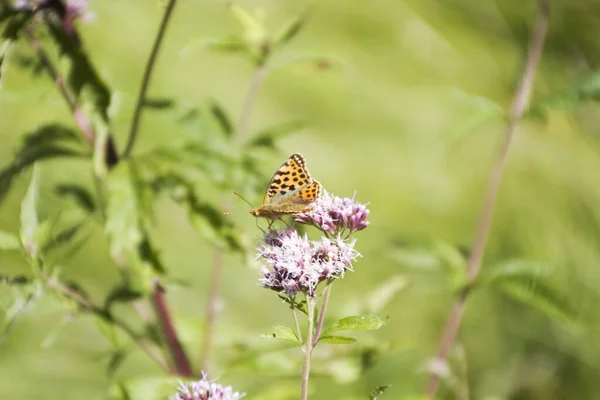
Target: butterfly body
x=291 y=190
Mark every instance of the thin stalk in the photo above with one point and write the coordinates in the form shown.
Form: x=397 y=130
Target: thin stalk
x=137 y=114
x=182 y=364
x=308 y=346
x=326 y=294
x=296 y=322
x=520 y=101
x=85 y=303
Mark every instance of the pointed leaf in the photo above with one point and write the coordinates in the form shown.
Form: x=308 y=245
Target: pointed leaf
x=360 y=323
x=80 y=195
x=48 y=141
x=282 y=333
x=232 y=44
x=378 y=392
x=221 y=116
x=288 y=31
x=336 y=339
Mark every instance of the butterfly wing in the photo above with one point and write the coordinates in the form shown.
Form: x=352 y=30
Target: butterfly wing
x=296 y=202
x=291 y=177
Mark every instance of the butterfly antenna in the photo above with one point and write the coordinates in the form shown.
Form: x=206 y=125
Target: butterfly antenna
x=240 y=196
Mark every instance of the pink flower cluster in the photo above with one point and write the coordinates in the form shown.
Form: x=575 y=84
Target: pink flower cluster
x=296 y=264
x=205 y=390
x=336 y=216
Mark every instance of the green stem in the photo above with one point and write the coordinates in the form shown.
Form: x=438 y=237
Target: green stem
x=133 y=132
x=326 y=294
x=296 y=322
x=308 y=346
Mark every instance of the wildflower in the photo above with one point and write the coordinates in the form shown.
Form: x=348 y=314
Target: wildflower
x=296 y=264
x=205 y=390
x=336 y=215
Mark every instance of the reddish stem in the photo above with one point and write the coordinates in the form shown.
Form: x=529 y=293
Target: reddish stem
x=520 y=100
x=182 y=364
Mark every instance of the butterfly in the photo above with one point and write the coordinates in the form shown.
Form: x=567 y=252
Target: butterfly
x=291 y=190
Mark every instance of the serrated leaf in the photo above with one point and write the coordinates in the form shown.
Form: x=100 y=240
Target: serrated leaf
x=80 y=195
x=48 y=141
x=336 y=339
x=282 y=333
x=25 y=293
x=378 y=392
x=81 y=73
x=358 y=323
x=8 y=241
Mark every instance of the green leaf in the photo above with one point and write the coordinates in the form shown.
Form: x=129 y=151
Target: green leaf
x=29 y=212
x=159 y=103
x=8 y=241
x=529 y=284
x=221 y=116
x=290 y=29
x=116 y=359
x=80 y=196
x=378 y=392
x=253 y=29
x=336 y=339
x=121 y=294
x=16 y=23
x=360 y=323
x=4 y=47
x=268 y=137
x=81 y=74
x=282 y=333
x=231 y=44
x=24 y=293
x=129 y=242
x=48 y=141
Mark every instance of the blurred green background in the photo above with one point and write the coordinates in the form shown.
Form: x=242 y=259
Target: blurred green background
x=408 y=119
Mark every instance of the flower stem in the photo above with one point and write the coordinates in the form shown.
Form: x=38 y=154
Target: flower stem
x=182 y=364
x=296 y=323
x=133 y=132
x=308 y=346
x=326 y=294
x=520 y=100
